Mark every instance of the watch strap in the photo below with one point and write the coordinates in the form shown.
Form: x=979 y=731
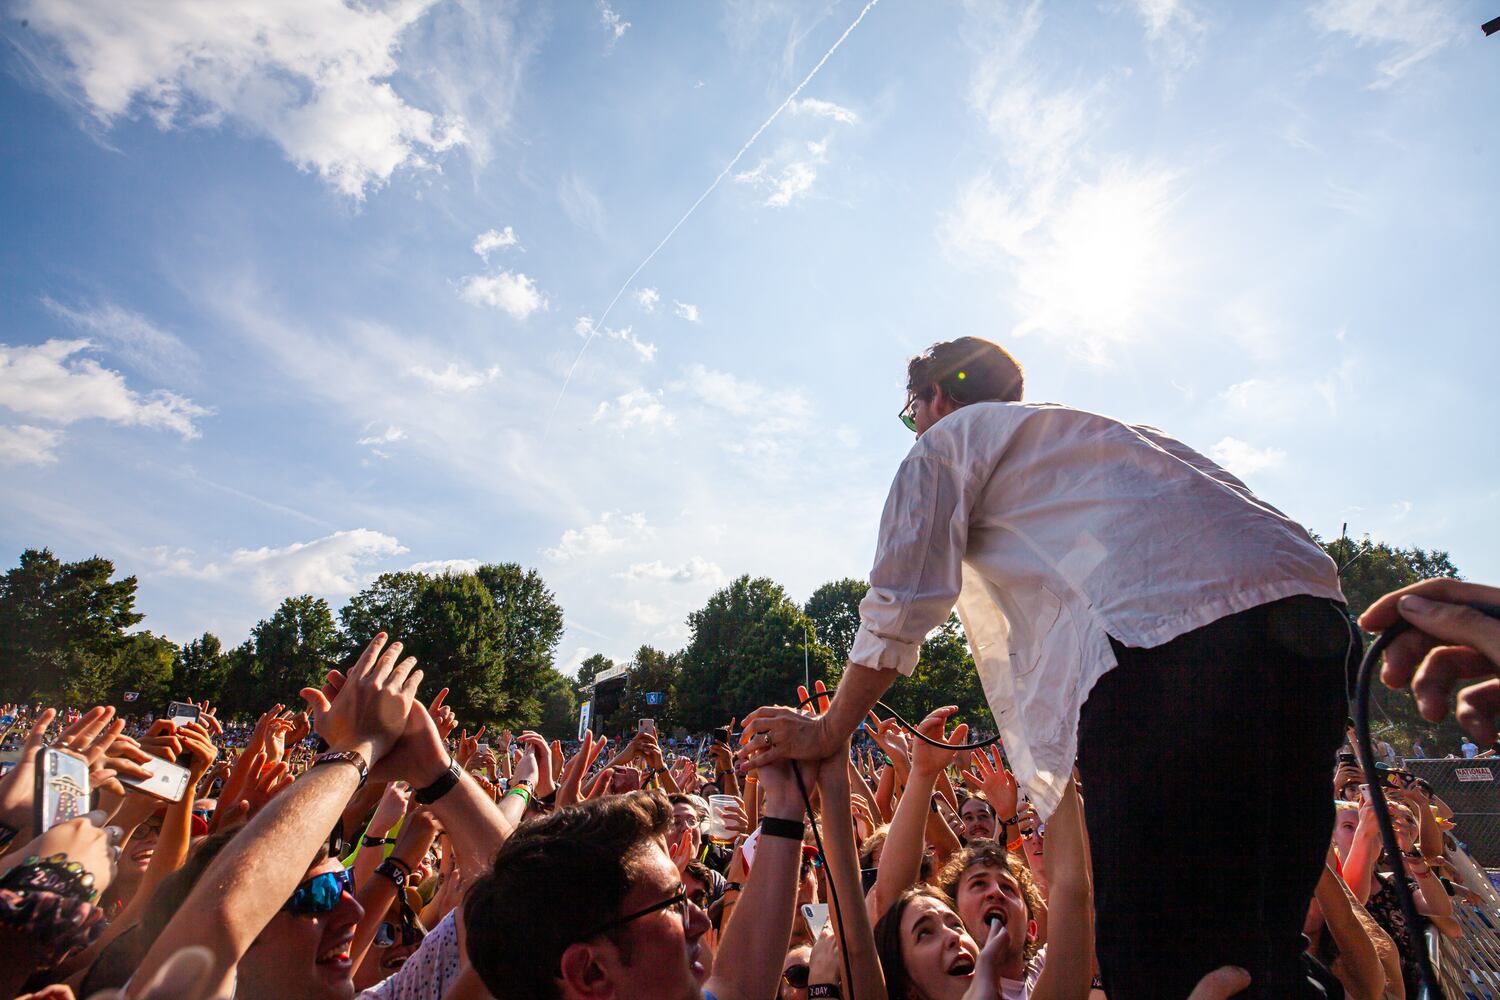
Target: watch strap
x=344 y=757
x=791 y=829
x=442 y=786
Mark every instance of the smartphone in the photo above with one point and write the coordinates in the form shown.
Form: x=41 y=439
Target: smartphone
x=168 y=781
x=647 y=726
x=62 y=787
x=182 y=712
x=867 y=877
x=816 y=915
x=721 y=735
x=484 y=747
x=1348 y=757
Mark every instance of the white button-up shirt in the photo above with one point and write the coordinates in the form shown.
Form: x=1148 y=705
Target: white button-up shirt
x=1053 y=529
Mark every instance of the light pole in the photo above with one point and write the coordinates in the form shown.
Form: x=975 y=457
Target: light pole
x=806 y=675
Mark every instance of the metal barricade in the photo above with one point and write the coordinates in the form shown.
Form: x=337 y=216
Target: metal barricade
x=1468 y=966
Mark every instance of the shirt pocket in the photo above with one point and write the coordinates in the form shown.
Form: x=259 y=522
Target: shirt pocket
x=1042 y=616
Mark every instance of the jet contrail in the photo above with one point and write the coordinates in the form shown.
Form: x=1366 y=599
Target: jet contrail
x=594 y=325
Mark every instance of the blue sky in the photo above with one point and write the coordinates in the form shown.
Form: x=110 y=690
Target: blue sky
x=289 y=299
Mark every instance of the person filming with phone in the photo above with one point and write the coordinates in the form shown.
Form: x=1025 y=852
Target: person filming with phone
x=1128 y=602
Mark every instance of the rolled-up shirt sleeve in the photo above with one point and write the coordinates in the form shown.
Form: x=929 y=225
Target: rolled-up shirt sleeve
x=918 y=567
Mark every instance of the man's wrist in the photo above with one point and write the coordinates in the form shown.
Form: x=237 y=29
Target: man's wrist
x=777 y=808
x=365 y=748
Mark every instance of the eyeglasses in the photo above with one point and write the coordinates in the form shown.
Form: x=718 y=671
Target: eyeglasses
x=677 y=901
x=908 y=417
x=321 y=893
x=388 y=933
x=699 y=898
x=795 y=976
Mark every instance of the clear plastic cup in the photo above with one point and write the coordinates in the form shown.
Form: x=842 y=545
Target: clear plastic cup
x=718 y=824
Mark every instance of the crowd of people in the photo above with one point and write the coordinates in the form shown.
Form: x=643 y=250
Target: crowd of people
x=369 y=846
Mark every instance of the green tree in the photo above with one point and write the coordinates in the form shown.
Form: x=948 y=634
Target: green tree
x=453 y=634
x=144 y=666
x=834 y=610
x=532 y=624
x=294 y=648
x=591 y=667
x=387 y=605
x=201 y=670
x=649 y=670
x=1367 y=571
x=62 y=625
x=559 y=706
x=944 y=675
x=745 y=651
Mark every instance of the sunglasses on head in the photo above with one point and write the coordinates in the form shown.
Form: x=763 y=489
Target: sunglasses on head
x=321 y=893
x=795 y=976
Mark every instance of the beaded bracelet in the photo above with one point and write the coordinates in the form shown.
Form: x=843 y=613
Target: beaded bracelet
x=55 y=874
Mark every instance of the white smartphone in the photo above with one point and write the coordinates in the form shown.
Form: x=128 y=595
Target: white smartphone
x=484 y=746
x=62 y=787
x=168 y=781
x=816 y=915
x=648 y=726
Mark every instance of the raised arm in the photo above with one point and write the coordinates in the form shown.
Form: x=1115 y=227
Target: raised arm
x=1070 y=905
x=849 y=914
x=901 y=861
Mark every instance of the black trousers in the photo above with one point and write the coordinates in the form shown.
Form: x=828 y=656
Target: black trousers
x=1209 y=800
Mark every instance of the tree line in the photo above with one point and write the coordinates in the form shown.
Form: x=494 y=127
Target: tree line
x=491 y=636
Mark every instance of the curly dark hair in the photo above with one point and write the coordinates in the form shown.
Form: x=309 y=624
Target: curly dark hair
x=969 y=370
x=993 y=853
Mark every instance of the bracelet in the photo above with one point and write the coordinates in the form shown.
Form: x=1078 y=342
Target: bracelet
x=54 y=874
x=345 y=757
x=522 y=791
x=392 y=869
x=368 y=841
x=815 y=990
x=791 y=829
x=442 y=786
x=732 y=887
x=1015 y=845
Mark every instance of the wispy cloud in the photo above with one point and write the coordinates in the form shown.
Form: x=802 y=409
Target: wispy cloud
x=511 y=291
x=695 y=570
x=1244 y=459
x=390 y=435
x=312 y=77
x=491 y=240
x=584 y=327
x=133 y=338
x=455 y=378
x=687 y=311
x=332 y=566
x=612 y=21
x=1415 y=30
x=636 y=408
x=1174 y=34
x=50 y=382
x=647 y=298
x=444 y=567
x=27 y=445
x=612 y=532
x=823 y=109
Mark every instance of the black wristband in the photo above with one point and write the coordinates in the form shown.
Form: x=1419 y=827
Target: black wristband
x=344 y=757
x=393 y=871
x=815 y=990
x=442 y=786
x=791 y=829
x=376 y=841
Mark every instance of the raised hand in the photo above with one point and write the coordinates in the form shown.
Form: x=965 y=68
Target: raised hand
x=573 y=772
x=442 y=716
x=394 y=802
x=371 y=710
x=927 y=758
x=990 y=777
x=536 y=744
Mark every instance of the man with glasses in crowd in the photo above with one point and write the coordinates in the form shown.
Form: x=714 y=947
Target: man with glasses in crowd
x=1128 y=603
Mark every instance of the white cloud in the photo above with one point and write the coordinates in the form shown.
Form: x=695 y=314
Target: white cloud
x=491 y=240
x=613 y=531
x=390 y=435
x=823 y=109
x=584 y=324
x=312 y=76
x=511 y=291
x=647 y=298
x=1244 y=459
x=1174 y=32
x=455 y=378
x=444 y=567
x=796 y=179
x=647 y=614
x=1414 y=29
x=332 y=566
x=695 y=570
x=47 y=382
x=768 y=422
x=636 y=408
x=139 y=342
x=687 y=311
x=612 y=21
x=1288 y=399
x=27 y=445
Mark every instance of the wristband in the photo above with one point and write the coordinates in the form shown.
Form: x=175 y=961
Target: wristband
x=732 y=887
x=791 y=829
x=522 y=791
x=344 y=757
x=376 y=841
x=392 y=869
x=1015 y=845
x=815 y=990
x=442 y=786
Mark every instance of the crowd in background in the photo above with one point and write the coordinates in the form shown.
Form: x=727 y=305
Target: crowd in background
x=370 y=845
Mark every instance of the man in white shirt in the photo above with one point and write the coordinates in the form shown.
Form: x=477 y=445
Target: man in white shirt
x=1073 y=544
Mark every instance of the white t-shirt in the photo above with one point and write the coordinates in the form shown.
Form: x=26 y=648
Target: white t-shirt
x=1020 y=989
